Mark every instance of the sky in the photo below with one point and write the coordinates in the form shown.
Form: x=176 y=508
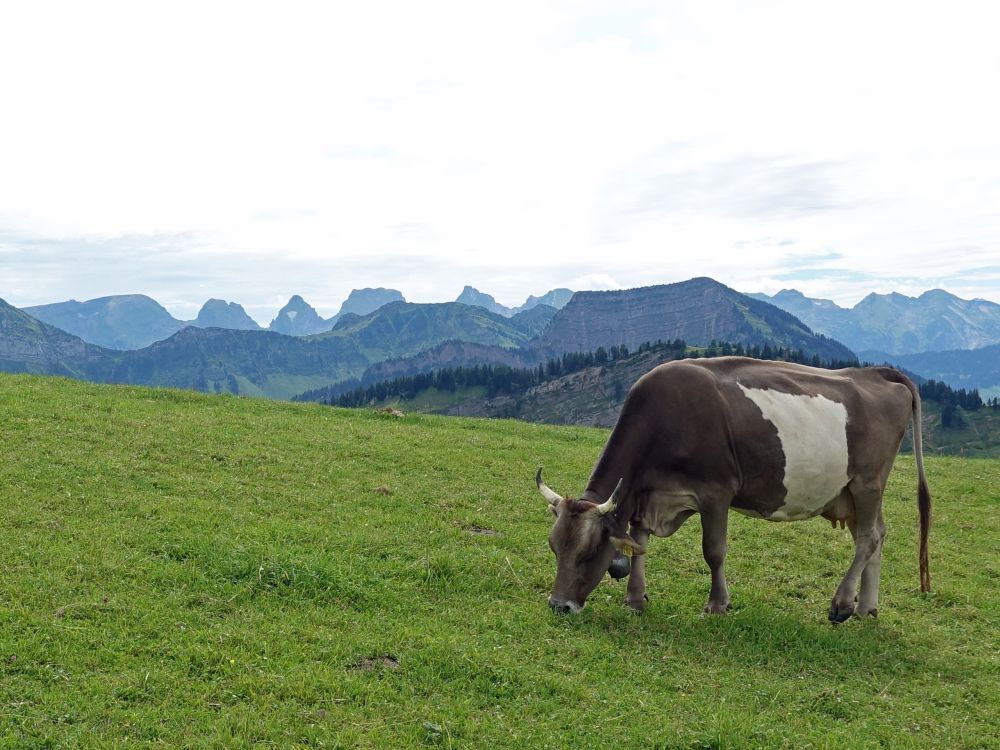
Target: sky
x=251 y=151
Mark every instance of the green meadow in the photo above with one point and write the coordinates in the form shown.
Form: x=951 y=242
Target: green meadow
x=188 y=571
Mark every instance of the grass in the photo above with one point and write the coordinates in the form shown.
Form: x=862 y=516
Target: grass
x=182 y=570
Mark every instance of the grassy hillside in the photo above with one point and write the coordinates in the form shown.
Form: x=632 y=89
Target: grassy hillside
x=183 y=570
x=978 y=434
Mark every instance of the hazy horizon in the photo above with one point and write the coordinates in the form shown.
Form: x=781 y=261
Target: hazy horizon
x=264 y=322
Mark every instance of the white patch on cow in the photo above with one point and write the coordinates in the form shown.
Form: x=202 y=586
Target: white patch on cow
x=813 y=435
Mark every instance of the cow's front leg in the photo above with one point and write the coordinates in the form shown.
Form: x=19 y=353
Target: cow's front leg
x=714 y=525
x=635 y=597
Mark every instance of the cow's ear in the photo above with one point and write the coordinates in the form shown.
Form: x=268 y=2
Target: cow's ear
x=627 y=545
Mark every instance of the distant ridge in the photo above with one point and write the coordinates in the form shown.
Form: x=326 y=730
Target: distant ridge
x=698 y=311
x=555 y=298
x=894 y=323
x=413 y=338
x=126 y=321
x=959 y=368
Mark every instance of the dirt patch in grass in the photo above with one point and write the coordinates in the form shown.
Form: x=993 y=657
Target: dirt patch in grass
x=480 y=530
x=371 y=663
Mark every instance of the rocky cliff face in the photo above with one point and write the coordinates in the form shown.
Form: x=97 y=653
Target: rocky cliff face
x=698 y=311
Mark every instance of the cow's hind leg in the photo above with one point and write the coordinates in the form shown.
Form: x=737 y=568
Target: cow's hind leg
x=635 y=597
x=870 y=576
x=714 y=527
x=867 y=532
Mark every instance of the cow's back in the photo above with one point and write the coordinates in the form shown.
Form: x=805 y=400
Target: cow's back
x=791 y=436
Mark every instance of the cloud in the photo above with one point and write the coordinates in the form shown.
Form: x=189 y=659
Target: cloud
x=748 y=188
x=348 y=145
x=593 y=281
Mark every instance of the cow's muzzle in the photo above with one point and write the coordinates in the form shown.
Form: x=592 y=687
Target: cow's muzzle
x=563 y=607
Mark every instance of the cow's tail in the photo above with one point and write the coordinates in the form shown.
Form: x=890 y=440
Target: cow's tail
x=923 y=493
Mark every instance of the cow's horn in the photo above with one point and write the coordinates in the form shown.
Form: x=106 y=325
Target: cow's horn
x=609 y=505
x=548 y=493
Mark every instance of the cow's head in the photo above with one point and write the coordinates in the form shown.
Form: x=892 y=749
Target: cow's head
x=586 y=545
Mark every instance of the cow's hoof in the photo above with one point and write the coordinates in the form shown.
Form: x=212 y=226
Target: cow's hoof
x=714 y=608
x=838 y=615
x=638 y=606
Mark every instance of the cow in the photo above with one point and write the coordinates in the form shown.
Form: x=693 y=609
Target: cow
x=772 y=440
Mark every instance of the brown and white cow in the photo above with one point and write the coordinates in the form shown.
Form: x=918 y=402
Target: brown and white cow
x=772 y=440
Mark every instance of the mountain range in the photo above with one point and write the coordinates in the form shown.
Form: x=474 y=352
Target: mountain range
x=261 y=363
x=896 y=324
x=134 y=321
x=556 y=298
x=278 y=365
x=377 y=334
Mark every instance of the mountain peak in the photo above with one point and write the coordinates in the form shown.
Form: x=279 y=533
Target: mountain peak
x=472 y=296
x=367 y=300
x=938 y=294
x=557 y=298
x=298 y=318
x=217 y=313
x=790 y=293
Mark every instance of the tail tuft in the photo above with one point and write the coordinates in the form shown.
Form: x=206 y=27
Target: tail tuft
x=924 y=506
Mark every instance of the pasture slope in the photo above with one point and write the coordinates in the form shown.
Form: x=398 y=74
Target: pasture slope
x=182 y=570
